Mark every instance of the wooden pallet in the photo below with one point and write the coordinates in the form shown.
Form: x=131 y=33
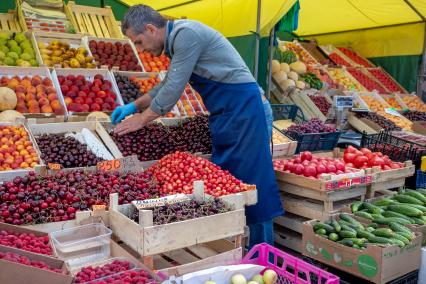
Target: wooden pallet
x=99 y=22
x=8 y=23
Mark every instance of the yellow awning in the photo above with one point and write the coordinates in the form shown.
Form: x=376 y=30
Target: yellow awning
x=230 y=17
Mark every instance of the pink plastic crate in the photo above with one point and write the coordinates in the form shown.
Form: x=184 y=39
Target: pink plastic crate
x=290 y=269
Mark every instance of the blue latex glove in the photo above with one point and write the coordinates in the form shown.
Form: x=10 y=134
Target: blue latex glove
x=122 y=111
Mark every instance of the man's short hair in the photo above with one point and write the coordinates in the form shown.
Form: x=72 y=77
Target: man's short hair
x=138 y=16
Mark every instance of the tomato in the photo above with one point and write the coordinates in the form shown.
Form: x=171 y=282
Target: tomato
x=288 y=166
x=321 y=169
x=377 y=161
x=340 y=166
x=299 y=169
x=349 y=157
x=349 y=165
x=350 y=149
x=386 y=168
x=331 y=168
x=360 y=161
x=310 y=171
x=306 y=155
x=395 y=166
x=358 y=153
x=365 y=151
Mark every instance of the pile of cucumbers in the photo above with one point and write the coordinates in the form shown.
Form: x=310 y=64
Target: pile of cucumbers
x=408 y=207
x=349 y=232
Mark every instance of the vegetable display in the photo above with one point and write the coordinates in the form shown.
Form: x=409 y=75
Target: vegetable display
x=364 y=158
x=369 y=83
x=315 y=125
x=350 y=232
x=386 y=80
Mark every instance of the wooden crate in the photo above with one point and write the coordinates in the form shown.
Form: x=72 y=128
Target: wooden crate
x=43 y=72
x=389 y=76
x=198 y=257
x=89 y=74
x=373 y=95
x=308 y=107
x=8 y=23
x=348 y=77
x=99 y=22
x=283 y=149
x=288 y=239
x=422 y=105
x=391 y=179
x=398 y=100
x=363 y=124
x=149 y=240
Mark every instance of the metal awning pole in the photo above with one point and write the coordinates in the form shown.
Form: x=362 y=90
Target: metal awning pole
x=256 y=51
x=270 y=56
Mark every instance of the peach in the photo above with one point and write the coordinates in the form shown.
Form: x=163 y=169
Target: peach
x=34 y=109
x=20 y=89
x=52 y=96
x=47 y=82
x=26 y=82
x=12 y=84
x=46 y=109
x=32 y=103
x=30 y=97
x=20 y=95
x=41 y=96
x=41 y=89
x=68 y=100
x=43 y=101
x=33 y=164
x=36 y=80
x=24 y=165
x=31 y=90
x=22 y=109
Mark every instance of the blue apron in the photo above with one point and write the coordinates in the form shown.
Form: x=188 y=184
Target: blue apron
x=240 y=140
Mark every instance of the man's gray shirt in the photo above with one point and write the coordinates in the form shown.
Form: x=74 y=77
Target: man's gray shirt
x=196 y=48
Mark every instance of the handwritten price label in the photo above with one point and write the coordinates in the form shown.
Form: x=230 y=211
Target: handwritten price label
x=111 y=165
x=98 y=207
x=53 y=166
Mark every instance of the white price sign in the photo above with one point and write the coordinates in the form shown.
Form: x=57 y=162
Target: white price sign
x=156 y=202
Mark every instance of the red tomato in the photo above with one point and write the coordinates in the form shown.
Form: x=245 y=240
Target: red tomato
x=360 y=161
x=358 y=153
x=321 y=169
x=306 y=155
x=365 y=151
x=299 y=169
x=349 y=157
x=331 y=168
x=340 y=166
x=395 y=166
x=350 y=149
x=349 y=165
x=377 y=161
x=310 y=171
x=386 y=168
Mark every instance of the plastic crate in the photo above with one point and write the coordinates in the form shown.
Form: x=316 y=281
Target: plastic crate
x=290 y=269
x=326 y=141
x=293 y=112
x=410 y=278
x=420 y=179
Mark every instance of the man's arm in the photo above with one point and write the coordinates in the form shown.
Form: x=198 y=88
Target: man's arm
x=187 y=49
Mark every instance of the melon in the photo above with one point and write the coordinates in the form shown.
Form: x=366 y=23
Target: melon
x=298 y=67
x=285 y=67
x=8 y=99
x=280 y=76
x=300 y=85
x=275 y=66
x=98 y=116
x=288 y=84
x=10 y=116
x=293 y=75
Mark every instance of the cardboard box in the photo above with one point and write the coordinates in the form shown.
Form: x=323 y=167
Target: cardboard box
x=16 y=273
x=21 y=230
x=377 y=263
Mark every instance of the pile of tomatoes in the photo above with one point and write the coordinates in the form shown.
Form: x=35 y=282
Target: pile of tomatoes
x=364 y=158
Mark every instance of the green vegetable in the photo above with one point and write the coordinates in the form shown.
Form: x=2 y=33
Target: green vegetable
x=379 y=240
x=418 y=221
x=347 y=234
x=346 y=242
x=383 y=232
x=356 y=206
x=407 y=199
x=395 y=214
x=370 y=229
x=405 y=209
x=388 y=220
x=336 y=226
x=364 y=234
x=422 y=191
x=397 y=242
x=333 y=237
x=420 y=207
x=373 y=208
x=376 y=216
x=327 y=228
x=384 y=202
x=364 y=215
x=401 y=238
x=346 y=227
x=320 y=232
x=372 y=225
x=400 y=228
x=409 y=236
x=348 y=218
x=416 y=195
x=287 y=56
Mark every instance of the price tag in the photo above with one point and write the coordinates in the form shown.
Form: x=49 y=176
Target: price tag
x=111 y=165
x=104 y=67
x=98 y=207
x=53 y=166
x=156 y=202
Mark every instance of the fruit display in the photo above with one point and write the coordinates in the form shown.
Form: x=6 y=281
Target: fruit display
x=35 y=199
x=58 y=52
x=414 y=102
x=386 y=80
x=369 y=83
x=341 y=77
x=154 y=141
x=66 y=151
x=269 y=277
x=372 y=102
x=339 y=60
x=398 y=120
x=34 y=94
x=285 y=56
x=380 y=120
x=322 y=103
x=352 y=233
x=153 y=63
x=82 y=94
x=415 y=115
x=16 y=149
x=139 y=276
x=278 y=138
x=405 y=208
x=312 y=80
x=355 y=57
x=115 y=54
x=286 y=75
x=186 y=210
x=411 y=137
x=392 y=101
x=16 y=50
x=14 y=257
x=365 y=158
x=315 y=125
x=26 y=241
x=301 y=53
x=132 y=88
x=90 y=273
x=323 y=76
x=176 y=173
x=308 y=165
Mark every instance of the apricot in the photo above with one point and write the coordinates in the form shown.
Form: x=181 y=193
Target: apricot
x=24 y=165
x=31 y=90
x=41 y=89
x=67 y=100
x=23 y=152
x=26 y=82
x=22 y=109
x=30 y=97
x=32 y=103
x=46 y=109
x=41 y=96
x=12 y=84
x=47 y=82
x=20 y=88
x=20 y=95
x=34 y=109
x=50 y=89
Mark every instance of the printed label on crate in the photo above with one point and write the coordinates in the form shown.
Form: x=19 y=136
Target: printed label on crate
x=347 y=182
x=53 y=166
x=156 y=202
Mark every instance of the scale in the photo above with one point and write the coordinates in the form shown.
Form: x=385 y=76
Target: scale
x=341 y=105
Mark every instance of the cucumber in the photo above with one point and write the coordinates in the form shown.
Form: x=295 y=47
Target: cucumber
x=383 y=232
x=364 y=215
x=346 y=242
x=405 y=209
x=388 y=220
x=422 y=191
x=347 y=234
x=356 y=241
x=356 y=246
x=384 y=202
x=407 y=199
x=346 y=227
x=329 y=229
x=370 y=229
x=395 y=214
x=320 y=232
x=423 y=218
x=333 y=237
x=376 y=216
x=328 y=222
x=372 y=225
x=408 y=236
x=400 y=228
x=397 y=242
x=356 y=206
x=416 y=195
x=336 y=226
x=373 y=208
x=401 y=238
x=420 y=207
x=364 y=234
x=349 y=219
x=418 y=221
x=379 y=240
